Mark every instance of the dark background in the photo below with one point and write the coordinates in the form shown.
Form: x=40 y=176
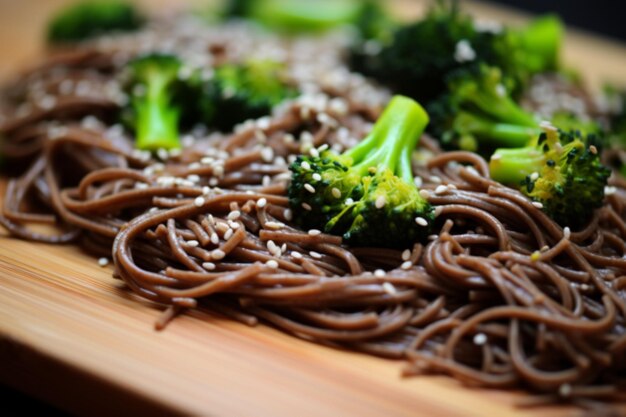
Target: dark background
x=605 y=17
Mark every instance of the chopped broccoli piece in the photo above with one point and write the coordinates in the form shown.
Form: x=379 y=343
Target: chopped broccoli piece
x=89 y=19
x=238 y=92
x=155 y=103
x=367 y=194
x=310 y=15
x=560 y=170
x=416 y=61
x=478 y=112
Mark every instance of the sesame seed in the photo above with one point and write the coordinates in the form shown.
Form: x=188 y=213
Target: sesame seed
x=218 y=254
x=215 y=239
x=234 y=215
x=309 y=188
x=380 y=202
x=274 y=225
x=272 y=264
x=208 y=265
x=425 y=194
x=314 y=153
x=435 y=179
x=199 y=201
x=406 y=254
x=406 y=265
x=421 y=221
x=315 y=255
x=609 y=189
x=305 y=165
x=349 y=201
x=593 y=149
x=480 y=339
x=296 y=255
x=317 y=177
x=537 y=204
x=441 y=189
x=379 y=273
x=335 y=192
x=389 y=288
x=193 y=178
x=534 y=176
x=567 y=232
x=323 y=147
x=261 y=202
x=228 y=234
x=306 y=207
x=565 y=390
x=288 y=214
x=418 y=181
x=193 y=243
x=103 y=261
x=314 y=232
x=267 y=154
x=438 y=211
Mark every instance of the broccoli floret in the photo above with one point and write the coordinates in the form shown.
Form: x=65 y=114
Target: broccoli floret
x=156 y=101
x=367 y=194
x=238 y=92
x=478 y=112
x=420 y=54
x=308 y=15
x=560 y=170
x=89 y=19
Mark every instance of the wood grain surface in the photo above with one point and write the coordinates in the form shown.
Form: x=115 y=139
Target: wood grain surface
x=73 y=336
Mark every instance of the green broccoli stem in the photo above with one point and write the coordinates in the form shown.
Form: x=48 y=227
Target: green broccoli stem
x=494 y=133
x=504 y=109
x=392 y=139
x=157 y=120
x=512 y=166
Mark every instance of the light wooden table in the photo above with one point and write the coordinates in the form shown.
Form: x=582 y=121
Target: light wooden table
x=69 y=333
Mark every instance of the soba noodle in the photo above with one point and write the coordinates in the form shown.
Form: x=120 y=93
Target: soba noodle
x=501 y=296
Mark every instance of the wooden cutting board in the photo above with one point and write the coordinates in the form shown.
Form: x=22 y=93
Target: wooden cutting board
x=71 y=335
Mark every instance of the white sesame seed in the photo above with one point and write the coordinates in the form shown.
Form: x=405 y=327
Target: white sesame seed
x=593 y=149
x=314 y=232
x=208 y=265
x=534 y=176
x=218 y=254
x=103 y=261
x=335 y=192
x=537 y=204
x=389 y=288
x=349 y=201
x=441 y=189
x=267 y=154
x=305 y=165
x=261 y=202
x=193 y=178
x=609 y=189
x=323 y=147
x=296 y=255
x=309 y=188
x=480 y=339
x=406 y=265
x=565 y=390
x=274 y=225
x=435 y=179
x=193 y=243
x=315 y=255
x=288 y=214
x=567 y=233
x=316 y=177
x=229 y=233
x=314 y=152
x=380 y=202
x=438 y=211
x=306 y=206
x=379 y=273
x=215 y=239
x=418 y=181
x=199 y=201
x=406 y=254
x=272 y=264
x=266 y=181
x=421 y=221
x=234 y=215
x=425 y=194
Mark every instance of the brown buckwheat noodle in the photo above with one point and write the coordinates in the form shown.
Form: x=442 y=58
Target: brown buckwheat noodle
x=501 y=296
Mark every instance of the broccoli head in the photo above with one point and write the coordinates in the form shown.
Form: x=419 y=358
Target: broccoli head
x=155 y=103
x=560 y=170
x=367 y=194
x=238 y=92
x=478 y=112
x=422 y=53
x=89 y=19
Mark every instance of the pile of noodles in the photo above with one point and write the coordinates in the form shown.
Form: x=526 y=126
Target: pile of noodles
x=501 y=296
